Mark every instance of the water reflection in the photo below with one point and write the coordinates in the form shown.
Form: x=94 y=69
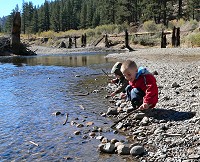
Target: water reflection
x=56 y=60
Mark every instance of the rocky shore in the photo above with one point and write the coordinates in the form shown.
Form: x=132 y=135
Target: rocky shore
x=170 y=131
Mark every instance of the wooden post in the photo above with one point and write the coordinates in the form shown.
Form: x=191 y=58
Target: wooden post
x=70 y=42
x=127 y=41
x=75 y=41
x=106 y=41
x=178 y=37
x=174 y=37
x=15 y=37
x=85 y=40
x=163 y=40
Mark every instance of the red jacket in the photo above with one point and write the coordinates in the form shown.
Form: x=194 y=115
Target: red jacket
x=147 y=83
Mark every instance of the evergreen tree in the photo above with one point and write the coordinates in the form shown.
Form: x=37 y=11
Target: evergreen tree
x=34 y=24
x=83 y=16
x=46 y=16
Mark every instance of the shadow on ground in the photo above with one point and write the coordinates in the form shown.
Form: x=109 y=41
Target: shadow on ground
x=170 y=114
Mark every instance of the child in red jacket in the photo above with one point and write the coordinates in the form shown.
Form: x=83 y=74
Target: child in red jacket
x=142 y=90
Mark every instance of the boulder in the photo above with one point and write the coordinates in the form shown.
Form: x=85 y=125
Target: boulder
x=109 y=148
x=137 y=150
x=112 y=111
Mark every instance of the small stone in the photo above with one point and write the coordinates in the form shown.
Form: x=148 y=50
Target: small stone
x=95 y=129
x=100 y=130
x=85 y=137
x=118 y=103
x=99 y=137
x=73 y=123
x=100 y=147
x=79 y=125
x=145 y=121
x=76 y=119
x=155 y=72
x=57 y=113
x=115 y=131
x=113 y=141
x=89 y=124
x=92 y=134
x=77 y=133
x=109 y=148
x=137 y=150
x=77 y=76
x=123 y=150
x=195 y=87
x=68 y=158
x=112 y=111
x=129 y=109
x=137 y=132
x=139 y=116
x=175 y=85
x=95 y=91
x=103 y=115
x=194 y=156
x=119 y=125
x=117 y=144
x=104 y=140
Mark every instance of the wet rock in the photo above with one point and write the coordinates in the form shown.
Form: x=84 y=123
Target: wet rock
x=99 y=138
x=113 y=141
x=73 y=123
x=92 y=134
x=139 y=116
x=85 y=137
x=89 y=124
x=137 y=150
x=117 y=144
x=115 y=132
x=68 y=158
x=119 y=125
x=129 y=109
x=137 y=132
x=57 y=113
x=123 y=150
x=175 y=85
x=79 y=125
x=100 y=130
x=195 y=87
x=112 y=111
x=77 y=76
x=118 y=103
x=109 y=148
x=95 y=91
x=76 y=119
x=95 y=129
x=103 y=115
x=104 y=140
x=100 y=147
x=77 y=133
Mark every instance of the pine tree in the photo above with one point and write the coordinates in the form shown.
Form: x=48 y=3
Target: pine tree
x=83 y=16
x=46 y=16
x=34 y=24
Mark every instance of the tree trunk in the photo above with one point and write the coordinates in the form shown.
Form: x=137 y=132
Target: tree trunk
x=15 y=37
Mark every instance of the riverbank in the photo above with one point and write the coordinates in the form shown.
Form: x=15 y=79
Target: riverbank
x=171 y=131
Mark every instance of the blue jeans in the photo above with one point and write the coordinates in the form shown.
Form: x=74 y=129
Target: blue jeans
x=135 y=95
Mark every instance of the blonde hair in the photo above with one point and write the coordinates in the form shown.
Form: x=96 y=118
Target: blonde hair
x=128 y=65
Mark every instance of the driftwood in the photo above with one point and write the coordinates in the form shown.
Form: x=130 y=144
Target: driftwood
x=66 y=119
x=112 y=126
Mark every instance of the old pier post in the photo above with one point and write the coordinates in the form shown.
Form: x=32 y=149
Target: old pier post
x=106 y=41
x=15 y=37
x=163 y=40
x=178 y=37
x=127 y=41
x=174 y=37
x=70 y=42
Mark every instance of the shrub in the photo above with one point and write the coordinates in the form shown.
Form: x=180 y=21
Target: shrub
x=194 y=39
x=146 y=40
x=150 y=26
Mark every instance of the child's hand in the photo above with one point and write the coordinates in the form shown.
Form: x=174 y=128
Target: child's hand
x=144 y=106
x=123 y=95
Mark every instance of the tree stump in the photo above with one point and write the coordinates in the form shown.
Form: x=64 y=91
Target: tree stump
x=15 y=37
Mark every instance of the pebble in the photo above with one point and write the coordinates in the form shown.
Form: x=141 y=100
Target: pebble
x=104 y=140
x=175 y=85
x=137 y=150
x=92 y=134
x=112 y=111
x=77 y=133
x=99 y=137
x=89 y=124
x=119 y=125
x=123 y=150
x=139 y=116
x=79 y=125
x=117 y=144
x=113 y=141
x=109 y=148
x=145 y=121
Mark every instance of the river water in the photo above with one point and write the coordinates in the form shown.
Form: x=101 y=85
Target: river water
x=33 y=88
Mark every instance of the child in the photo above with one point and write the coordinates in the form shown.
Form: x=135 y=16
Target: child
x=120 y=80
x=142 y=90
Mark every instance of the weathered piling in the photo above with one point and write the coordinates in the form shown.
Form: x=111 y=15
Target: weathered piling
x=15 y=36
x=163 y=40
x=106 y=41
x=127 y=41
x=70 y=42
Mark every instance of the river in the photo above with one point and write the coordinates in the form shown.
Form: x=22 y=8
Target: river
x=33 y=89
